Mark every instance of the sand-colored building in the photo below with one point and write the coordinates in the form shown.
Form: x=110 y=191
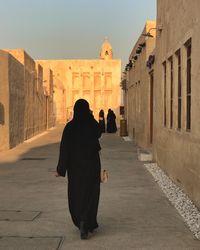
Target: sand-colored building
x=26 y=98
x=29 y=88
x=97 y=81
x=35 y=95
x=138 y=89
x=177 y=101
x=59 y=103
x=12 y=99
x=165 y=101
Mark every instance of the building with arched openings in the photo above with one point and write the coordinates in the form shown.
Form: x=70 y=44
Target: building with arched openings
x=96 y=80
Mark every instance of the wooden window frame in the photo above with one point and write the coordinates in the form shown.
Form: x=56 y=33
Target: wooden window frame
x=165 y=92
x=171 y=90
x=179 y=88
x=188 y=46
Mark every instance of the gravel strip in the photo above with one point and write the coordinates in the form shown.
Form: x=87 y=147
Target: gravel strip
x=185 y=207
x=126 y=138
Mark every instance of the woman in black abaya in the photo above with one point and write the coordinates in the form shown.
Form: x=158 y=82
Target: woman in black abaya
x=102 y=121
x=79 y=157
x=111 y=123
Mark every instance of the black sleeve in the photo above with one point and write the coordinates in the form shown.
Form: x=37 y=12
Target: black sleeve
x=63 y=156
x=97 y=129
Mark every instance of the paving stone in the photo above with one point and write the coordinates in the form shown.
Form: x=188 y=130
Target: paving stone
x=18 y=215
x=30 y=243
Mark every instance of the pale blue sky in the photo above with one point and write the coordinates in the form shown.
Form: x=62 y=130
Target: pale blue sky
x=63 y=29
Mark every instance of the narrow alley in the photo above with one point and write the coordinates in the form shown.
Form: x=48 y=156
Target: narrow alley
x=133 y=211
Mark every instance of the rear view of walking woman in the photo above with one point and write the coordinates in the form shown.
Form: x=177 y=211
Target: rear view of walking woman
x=79 y=157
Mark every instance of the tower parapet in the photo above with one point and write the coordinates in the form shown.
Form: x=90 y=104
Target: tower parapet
x=106 y=50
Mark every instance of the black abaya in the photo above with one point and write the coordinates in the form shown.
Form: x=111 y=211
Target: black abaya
x=79 y=156
x=111 y=123
x=102 y=121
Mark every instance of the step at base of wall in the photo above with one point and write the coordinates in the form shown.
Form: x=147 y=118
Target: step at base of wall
x=145 y=157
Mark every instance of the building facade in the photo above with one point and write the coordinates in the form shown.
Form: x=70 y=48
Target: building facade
x=26 y=98
x=165 y=101
x=12 y=100
x=138 y=104
x=59 y=103
x=177 y=100
x=97 y=81
x=35 y=95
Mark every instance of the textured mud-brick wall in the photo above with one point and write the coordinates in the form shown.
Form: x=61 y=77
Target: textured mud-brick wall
x=59 y=102
x=11 y=101
x=177 y=150
x=4 y=101
x=16 y=101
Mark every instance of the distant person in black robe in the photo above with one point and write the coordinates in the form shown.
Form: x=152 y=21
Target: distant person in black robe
x=79 y=157
x=102 y=121
x=111 y=123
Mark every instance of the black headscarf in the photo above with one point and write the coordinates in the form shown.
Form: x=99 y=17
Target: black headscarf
x=101 y=113
x=81 y=110
x=84 y=129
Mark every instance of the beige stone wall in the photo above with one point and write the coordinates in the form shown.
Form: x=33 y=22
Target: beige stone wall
x=138 y=90
x=59 y=103
x=26 y=105
x=4 y=101
x=29 y=89
x=177 y=151
x=48 y=86
x=16 y=101
x=30 y=93
x=98 y=81
x=38 y=93
x=11 y=101
x=40 y=107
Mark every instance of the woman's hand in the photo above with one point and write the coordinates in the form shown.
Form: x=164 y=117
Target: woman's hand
x=57 y=174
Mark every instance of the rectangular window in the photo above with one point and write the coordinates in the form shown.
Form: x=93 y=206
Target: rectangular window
x=188 y=46
x=171 y=91
x=178 y=54
x=165 y=91
x=151 y=105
